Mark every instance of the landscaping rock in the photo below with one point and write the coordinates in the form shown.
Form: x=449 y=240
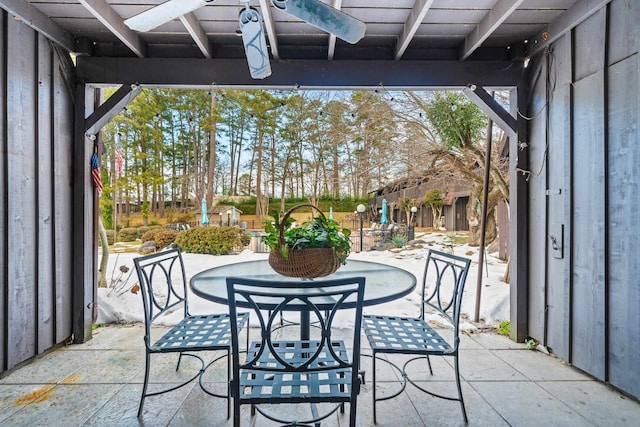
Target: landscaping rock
x=148 y=247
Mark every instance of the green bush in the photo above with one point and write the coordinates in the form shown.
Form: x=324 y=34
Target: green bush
x=128 y=234
x=212 y=240
x=111 y=237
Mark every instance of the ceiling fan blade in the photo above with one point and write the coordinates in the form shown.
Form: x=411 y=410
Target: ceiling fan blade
x=255 y=43
x=164 y=12
x=325 y=17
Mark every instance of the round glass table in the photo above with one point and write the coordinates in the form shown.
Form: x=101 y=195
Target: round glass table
x=384 y=283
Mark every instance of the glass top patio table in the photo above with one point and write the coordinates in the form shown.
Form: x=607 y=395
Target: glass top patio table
x=384 y=283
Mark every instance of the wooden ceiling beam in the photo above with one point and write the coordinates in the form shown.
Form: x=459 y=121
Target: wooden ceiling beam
x=114 y=23
x=302 y=74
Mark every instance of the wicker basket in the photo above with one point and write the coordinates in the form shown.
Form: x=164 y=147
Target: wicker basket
x=307 y=262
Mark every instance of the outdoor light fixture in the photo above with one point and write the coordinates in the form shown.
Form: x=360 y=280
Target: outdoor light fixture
x=413 y=212
x=411 y=228
x=220 y=214
x=361 y=208
x=228 y=217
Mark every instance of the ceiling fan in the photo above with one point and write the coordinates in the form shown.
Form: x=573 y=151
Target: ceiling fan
x=314 y=12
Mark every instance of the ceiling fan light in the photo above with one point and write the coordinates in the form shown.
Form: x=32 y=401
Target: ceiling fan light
x=255 y=43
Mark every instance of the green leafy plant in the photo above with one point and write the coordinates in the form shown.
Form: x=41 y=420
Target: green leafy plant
x=319 y=232
x=398 y=241
x=504 y=328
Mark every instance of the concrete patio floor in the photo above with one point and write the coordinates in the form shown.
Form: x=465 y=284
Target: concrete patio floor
x=99 y=383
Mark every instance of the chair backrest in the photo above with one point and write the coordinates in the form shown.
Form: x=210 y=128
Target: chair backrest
x=163 y=284
x=443 y=285
x=266 y=300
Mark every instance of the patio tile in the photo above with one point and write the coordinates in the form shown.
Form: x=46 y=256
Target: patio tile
x=64 y=405
x=524 y=404
x=493 y=341
x=112 y=366
x=116 y=337
x=440 y=412
x=51 y=368
x=538 y=366
x=99 y=383
x=595 y=401
x=121 y=410
x=483 y=365
x=399 y=411
x=15 y=397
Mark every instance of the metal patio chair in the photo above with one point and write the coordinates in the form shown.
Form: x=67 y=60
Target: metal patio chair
x=279 y=370
x=164 y=291
x=415 y=336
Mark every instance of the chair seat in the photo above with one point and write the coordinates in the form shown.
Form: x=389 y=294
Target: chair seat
x=267 y=386
x=392 y=334
x=199 y=332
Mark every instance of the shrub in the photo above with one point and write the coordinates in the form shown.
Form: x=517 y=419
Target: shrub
x=164 y=238
x=398 y=241
x=183 y=217
x=212 y=240
x=128 y=234
x=111 y=237
x=149 y=235
x=145 y=229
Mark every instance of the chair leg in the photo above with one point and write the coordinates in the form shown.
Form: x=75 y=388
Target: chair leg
x=236 y=412
x=146 y=383
x=429 y=362
x=179 y=360
x=352 y=413
x=373 y=376
x=228 y=382
x=457 y=368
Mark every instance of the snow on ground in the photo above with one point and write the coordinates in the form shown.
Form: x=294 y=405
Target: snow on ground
x=117 y=304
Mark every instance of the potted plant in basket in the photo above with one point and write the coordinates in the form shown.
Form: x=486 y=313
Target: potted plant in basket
x=317 y=248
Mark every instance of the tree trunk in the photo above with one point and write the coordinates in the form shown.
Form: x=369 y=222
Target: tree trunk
x=259 y=201
x=212 y=149
x=104 y=261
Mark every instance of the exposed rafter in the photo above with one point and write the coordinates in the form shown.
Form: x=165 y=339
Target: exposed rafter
x=492 y=20
x=192 y=25
x=491 y=108
x=110 y=19
x=416 y=16
x=265 y=10
x=110 y=108
x=577 y=13
x=39 y=22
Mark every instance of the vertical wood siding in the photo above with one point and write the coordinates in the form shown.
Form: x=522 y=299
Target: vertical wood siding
x=35 y=203
x=4 y=260
x=590 y=294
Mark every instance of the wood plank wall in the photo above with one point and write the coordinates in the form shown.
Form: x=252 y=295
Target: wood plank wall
x=584 y=300
x=36 y=141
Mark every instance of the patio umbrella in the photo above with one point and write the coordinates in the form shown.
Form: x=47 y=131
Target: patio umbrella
x=383 y=217
x=233 y=215
x=205 y=218
x=330 y=212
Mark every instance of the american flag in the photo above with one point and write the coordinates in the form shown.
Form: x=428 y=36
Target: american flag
x=119 y=160
x=95 y=172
